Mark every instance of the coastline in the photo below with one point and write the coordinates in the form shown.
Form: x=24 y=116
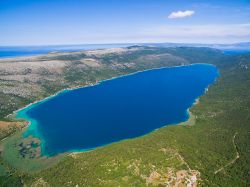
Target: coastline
x=35 y=103
x=34 y=165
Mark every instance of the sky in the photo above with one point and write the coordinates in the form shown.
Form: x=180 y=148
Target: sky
x=55 y=22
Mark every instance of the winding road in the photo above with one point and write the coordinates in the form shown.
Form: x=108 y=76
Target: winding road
x=232 y=161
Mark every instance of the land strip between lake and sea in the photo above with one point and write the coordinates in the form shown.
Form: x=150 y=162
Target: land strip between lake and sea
x=173 y=155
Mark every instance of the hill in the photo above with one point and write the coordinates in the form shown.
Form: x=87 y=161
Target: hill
x=210 y=150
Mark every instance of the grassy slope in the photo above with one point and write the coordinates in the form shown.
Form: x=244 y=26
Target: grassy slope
x=205 y=147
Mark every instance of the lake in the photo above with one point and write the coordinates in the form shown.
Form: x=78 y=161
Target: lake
x=117 y=109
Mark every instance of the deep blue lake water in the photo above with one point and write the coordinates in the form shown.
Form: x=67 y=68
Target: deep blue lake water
x=117 y=109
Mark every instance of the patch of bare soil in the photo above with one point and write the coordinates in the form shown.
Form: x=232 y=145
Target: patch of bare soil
x=7 y=128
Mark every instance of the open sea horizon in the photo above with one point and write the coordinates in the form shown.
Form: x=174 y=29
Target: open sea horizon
x=23 y=51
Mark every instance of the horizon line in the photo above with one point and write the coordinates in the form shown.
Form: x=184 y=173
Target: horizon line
x=121 y=43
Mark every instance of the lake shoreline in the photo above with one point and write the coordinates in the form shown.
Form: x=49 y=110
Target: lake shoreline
x=10 y=148
x=95 y=84
x=35 y=103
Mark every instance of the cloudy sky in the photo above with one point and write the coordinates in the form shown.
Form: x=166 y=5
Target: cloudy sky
x=42 y=22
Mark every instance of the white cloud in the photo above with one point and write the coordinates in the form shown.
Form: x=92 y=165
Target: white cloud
x=181 y=14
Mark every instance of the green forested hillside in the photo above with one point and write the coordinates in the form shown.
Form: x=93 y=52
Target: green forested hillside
x=213 y=151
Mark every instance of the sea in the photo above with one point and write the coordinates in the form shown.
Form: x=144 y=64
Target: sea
x=25 y=51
